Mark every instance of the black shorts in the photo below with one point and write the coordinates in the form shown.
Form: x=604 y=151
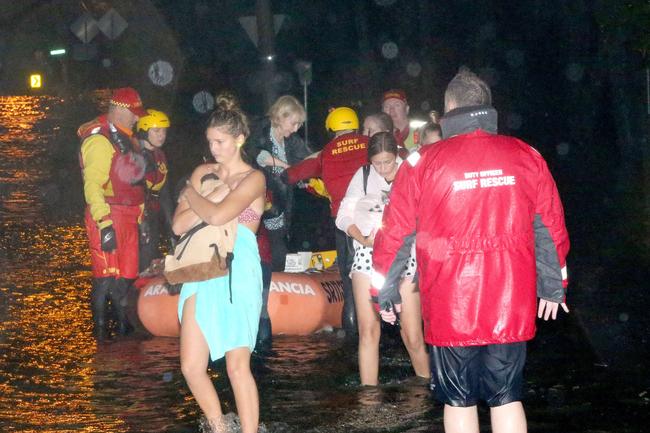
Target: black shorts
x=464 y=375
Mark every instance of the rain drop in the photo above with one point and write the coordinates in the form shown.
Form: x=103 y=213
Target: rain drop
x=203 y=102
x=487 y=31
x=107 y=62
x=167 y=376
x=282 y=81
x=413 y=69
x=161 y=73
x=306 y=245
x=389 y=50
x=623 y=317
x=425 y=106
x=574 y=72
x=515 y=57
x=562 y=149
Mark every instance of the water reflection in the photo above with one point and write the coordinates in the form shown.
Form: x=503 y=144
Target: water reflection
x=54 y=377
x=23 y=155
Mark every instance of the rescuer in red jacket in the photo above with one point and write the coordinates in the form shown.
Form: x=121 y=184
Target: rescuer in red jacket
x=490 y=239
x=113 y=172
x=336 y=164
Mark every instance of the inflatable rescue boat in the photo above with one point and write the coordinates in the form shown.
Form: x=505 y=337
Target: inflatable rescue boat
x=300 y=303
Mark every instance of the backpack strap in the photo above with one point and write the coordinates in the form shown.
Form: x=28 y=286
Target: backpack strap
x=188 y=235
x=366 y=173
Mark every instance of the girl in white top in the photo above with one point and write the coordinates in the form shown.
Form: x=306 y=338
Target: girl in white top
x=360 y=217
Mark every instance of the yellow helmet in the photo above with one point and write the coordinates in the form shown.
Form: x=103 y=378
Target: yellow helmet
x=341 y=118
x=153 y=119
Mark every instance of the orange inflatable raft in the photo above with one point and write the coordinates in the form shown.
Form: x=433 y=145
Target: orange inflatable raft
x=299 y=303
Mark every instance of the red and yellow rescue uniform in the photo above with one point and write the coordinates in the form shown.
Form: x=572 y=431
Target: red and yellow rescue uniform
x=335 y=164
x=156 y=177
x=114 y=194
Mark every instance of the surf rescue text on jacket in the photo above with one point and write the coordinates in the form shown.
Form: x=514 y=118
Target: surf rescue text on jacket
x=481 y=206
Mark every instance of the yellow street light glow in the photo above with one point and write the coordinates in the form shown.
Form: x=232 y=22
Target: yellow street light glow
x=35 y=81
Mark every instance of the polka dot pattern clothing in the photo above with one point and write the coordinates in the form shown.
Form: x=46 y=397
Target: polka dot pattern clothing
x=363 y=261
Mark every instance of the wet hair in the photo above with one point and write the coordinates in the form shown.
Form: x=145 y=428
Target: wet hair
x=284 y=107
x=466 y=89
x=382 y=142
x=384 y=120
x=229 y=116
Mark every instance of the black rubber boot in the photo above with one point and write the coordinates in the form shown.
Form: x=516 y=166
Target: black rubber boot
x=99 y=293
x=119 y=299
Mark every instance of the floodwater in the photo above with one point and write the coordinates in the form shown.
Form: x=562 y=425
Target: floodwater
x=54 y=377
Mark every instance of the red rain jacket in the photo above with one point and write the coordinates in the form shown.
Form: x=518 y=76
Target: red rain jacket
x=481 y=206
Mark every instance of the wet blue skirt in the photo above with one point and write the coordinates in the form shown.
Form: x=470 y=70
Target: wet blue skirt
x=226 y=325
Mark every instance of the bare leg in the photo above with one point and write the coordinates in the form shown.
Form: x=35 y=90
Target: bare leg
x=411 y=328
x=238 y=365
x=369 y=330
x=194 y=364
x=461 y=419
x=509 y=418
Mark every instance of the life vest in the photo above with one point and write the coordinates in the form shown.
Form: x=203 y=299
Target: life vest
x=125 y=184
x=155 y=177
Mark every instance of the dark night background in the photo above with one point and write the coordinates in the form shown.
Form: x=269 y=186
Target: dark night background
x=568 y=76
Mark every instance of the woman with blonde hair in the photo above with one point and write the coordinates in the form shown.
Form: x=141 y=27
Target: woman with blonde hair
x=275 y=146
x=219 y=317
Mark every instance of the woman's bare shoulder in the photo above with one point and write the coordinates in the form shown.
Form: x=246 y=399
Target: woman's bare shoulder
x=257 y=176
x=254 y=178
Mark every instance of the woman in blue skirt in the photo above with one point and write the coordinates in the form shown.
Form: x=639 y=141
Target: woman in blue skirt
x=219 y=317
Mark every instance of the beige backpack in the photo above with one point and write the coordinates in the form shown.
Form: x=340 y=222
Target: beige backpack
x=205 y=251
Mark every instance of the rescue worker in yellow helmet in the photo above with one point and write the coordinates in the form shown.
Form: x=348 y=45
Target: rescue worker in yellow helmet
x=336 y=164
x=151 y=131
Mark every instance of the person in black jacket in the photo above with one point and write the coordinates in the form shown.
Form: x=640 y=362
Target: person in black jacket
x=275 y=145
